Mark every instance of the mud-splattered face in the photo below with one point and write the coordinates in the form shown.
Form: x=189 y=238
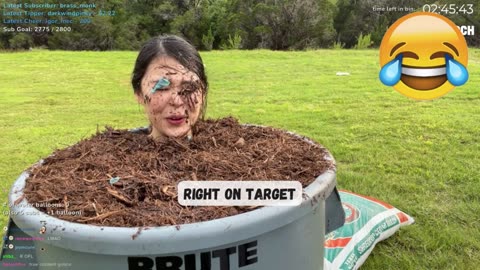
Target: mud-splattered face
x=172 y=97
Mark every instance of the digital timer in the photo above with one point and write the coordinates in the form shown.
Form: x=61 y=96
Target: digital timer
x=449 y=8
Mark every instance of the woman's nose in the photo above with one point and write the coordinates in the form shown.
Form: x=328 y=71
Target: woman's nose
x=176 y=100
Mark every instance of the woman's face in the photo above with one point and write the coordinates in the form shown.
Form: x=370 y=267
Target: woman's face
x=174 y=108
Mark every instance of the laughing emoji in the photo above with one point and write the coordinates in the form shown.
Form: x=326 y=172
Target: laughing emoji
x=423 y=56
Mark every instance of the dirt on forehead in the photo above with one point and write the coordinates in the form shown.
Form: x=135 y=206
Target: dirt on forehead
x=124 y=178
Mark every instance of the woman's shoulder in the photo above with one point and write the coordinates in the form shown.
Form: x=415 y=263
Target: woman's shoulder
x=141 y=130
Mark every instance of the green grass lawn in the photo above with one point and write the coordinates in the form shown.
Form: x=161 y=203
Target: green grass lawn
x=422 y=157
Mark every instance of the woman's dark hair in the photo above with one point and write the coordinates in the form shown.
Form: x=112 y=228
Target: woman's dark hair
x=177 y=48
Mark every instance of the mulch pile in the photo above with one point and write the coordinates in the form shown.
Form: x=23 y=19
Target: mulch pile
x=78 y=183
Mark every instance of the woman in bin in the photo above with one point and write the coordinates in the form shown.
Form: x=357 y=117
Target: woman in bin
x=169 y=81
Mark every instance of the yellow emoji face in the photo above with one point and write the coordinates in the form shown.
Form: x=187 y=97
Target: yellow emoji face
x=423 y=56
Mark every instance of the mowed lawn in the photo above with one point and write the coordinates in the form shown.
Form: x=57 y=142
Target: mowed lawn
x=422 y=157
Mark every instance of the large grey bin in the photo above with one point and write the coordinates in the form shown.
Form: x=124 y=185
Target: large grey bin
x=269 y=238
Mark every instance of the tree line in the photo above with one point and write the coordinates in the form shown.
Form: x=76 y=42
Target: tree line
x=225 y=24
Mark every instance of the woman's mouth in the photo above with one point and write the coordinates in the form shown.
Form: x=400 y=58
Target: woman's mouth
x=176 y=120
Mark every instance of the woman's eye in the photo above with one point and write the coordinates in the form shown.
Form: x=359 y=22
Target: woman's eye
x=162 y=89
x=161 y=85
x=156 y=89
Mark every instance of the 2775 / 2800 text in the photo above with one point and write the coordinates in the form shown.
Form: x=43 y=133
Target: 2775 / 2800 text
x=38 y=29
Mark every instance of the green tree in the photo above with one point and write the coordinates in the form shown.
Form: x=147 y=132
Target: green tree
x=294 y=24
x=355 y=17
x=21 y=41
x=97 y=35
